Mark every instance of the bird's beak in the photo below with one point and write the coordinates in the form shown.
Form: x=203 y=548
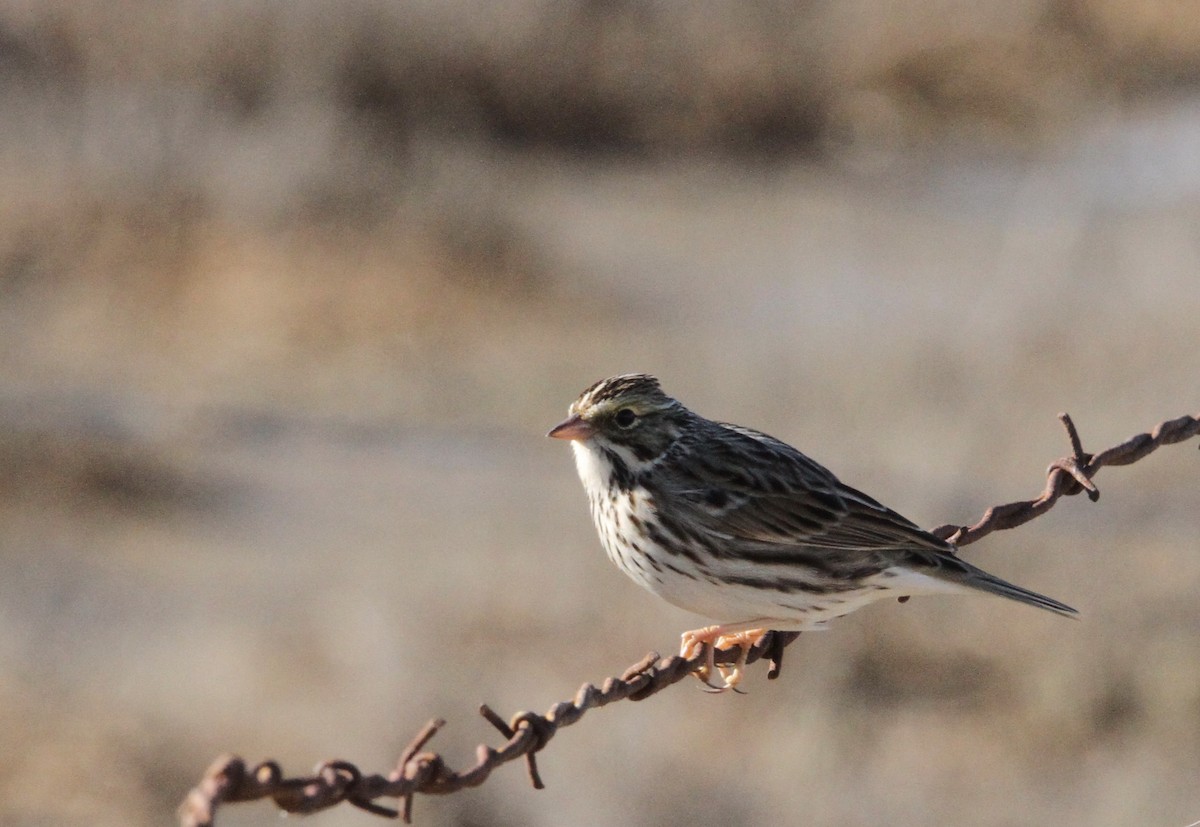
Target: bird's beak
x=573 y=427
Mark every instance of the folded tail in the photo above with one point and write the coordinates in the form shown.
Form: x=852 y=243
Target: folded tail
x=953 y=569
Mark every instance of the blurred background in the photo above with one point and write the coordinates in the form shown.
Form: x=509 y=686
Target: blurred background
x=291 y=292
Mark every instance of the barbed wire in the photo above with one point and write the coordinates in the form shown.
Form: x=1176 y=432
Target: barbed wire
x=1069 y=475
x=229 y=779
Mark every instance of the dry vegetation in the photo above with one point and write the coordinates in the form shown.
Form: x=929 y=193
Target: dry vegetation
x=289 y=293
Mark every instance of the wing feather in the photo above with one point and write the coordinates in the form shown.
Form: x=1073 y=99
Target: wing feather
x=766 y=497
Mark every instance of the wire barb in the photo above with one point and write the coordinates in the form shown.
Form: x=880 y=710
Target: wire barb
x=1070 y=475
x=229 y=780
x=1077 y=462
x=414 y=746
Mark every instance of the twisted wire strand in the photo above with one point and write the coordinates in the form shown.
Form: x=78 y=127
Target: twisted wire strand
x=229 y=779
x=1070 y=475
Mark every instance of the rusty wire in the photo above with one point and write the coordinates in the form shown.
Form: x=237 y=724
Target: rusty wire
x=1070 y=475
x=229 y=779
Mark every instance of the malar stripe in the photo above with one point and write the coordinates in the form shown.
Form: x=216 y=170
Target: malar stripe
x=619 y=475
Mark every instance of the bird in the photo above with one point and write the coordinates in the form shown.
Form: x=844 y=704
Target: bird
x=737 y=526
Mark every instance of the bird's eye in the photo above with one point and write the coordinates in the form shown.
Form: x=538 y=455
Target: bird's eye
x=626 y=418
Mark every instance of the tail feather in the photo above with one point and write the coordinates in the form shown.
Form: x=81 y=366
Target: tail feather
x=951 y=570
x=976 y=578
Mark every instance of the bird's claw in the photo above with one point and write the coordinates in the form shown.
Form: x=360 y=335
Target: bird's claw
x=708 y=640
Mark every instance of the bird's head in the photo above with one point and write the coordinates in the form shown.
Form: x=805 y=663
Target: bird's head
x=628 y=414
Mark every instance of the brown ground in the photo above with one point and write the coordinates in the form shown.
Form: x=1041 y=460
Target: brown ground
x=288 y=300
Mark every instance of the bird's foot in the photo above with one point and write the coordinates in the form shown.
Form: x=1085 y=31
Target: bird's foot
x=696 y=641
x=708 y=640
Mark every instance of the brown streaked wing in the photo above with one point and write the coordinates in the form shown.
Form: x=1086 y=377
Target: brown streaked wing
x=772 y=495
